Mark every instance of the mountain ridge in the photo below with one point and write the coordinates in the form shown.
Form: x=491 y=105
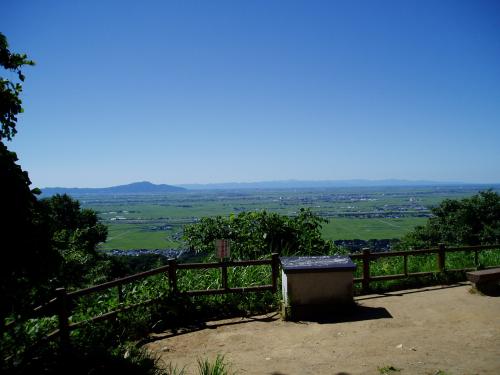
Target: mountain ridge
x=146 y=187
x=142 y=187
x=298 y=184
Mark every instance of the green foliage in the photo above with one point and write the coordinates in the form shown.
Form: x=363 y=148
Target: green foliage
x=10 y=103
x=27 y=258
x=254 y=234
x=69 y=236
x=470 y=221
x=386 y=370
x=75 y=234
x=128 y=265
x=218 y=367
x=227 y=304
x=125 y=359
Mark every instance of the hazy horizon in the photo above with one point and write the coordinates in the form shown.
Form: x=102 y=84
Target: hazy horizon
x=348 y=182
x=222 y=91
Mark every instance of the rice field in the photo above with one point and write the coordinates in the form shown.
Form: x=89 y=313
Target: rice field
x=157 y=221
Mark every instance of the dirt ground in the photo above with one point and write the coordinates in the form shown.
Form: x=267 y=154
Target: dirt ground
x=421 y=331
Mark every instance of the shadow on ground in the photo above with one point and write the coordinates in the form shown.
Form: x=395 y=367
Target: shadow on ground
x=355 y=314
x=403 y=293
x=198 y=326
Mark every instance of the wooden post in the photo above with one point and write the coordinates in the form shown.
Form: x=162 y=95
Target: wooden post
x=275 y=270
x=441 y=257
x=366 y=270
x=405 y=265
x=172 y=274
x=120 y=294
x=62 y=299
x=224 y=274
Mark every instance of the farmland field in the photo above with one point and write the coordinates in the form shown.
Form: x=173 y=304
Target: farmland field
x=365 y=229
x=157 y=221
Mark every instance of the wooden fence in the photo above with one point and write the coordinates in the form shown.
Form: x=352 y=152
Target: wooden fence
x=61 y=304
x=367 y=257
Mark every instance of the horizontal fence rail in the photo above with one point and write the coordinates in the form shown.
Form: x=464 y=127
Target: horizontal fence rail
x=366 y=257
x=62 y=304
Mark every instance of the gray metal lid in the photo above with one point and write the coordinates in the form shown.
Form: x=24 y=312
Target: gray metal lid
x=334 y=263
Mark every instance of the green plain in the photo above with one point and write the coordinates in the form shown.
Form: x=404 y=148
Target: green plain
x=157 y=221
x=366 y=229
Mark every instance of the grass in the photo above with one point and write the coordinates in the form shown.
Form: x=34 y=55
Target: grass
x=366 y=229
x=172 y=308
x=205 y=367
x=139 y=236
x=218 y=367
x=387 y=370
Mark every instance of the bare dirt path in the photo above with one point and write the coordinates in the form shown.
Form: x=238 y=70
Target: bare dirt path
x=417 y=331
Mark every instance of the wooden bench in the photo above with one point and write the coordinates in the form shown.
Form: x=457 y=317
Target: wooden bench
x=485 y=280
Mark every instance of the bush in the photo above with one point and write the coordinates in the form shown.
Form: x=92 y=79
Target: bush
x=256 y=234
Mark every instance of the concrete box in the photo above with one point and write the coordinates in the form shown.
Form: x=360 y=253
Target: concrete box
x=316 y=284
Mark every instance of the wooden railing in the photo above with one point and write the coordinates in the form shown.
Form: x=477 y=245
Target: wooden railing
x=366 y=257
x=62 y=304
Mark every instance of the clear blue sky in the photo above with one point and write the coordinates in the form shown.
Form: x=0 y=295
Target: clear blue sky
x=217 y=91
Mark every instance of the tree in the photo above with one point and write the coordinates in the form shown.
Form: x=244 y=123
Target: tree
x=10 y=102
x=74 y=234
x=255 y=234
x=27 y=256
x=470 y=221
x=45 y=243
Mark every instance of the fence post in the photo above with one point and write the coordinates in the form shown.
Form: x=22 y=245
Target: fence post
x=62 y=300
x=366 y=270
x=172 y=274
x=275 y=269
x=441 y=257
x=120 y=294
x=405 y=265
x=224 y=274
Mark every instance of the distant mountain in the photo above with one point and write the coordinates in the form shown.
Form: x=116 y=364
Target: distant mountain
x=143 y=187
x=297 y=184
x=149 y=188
